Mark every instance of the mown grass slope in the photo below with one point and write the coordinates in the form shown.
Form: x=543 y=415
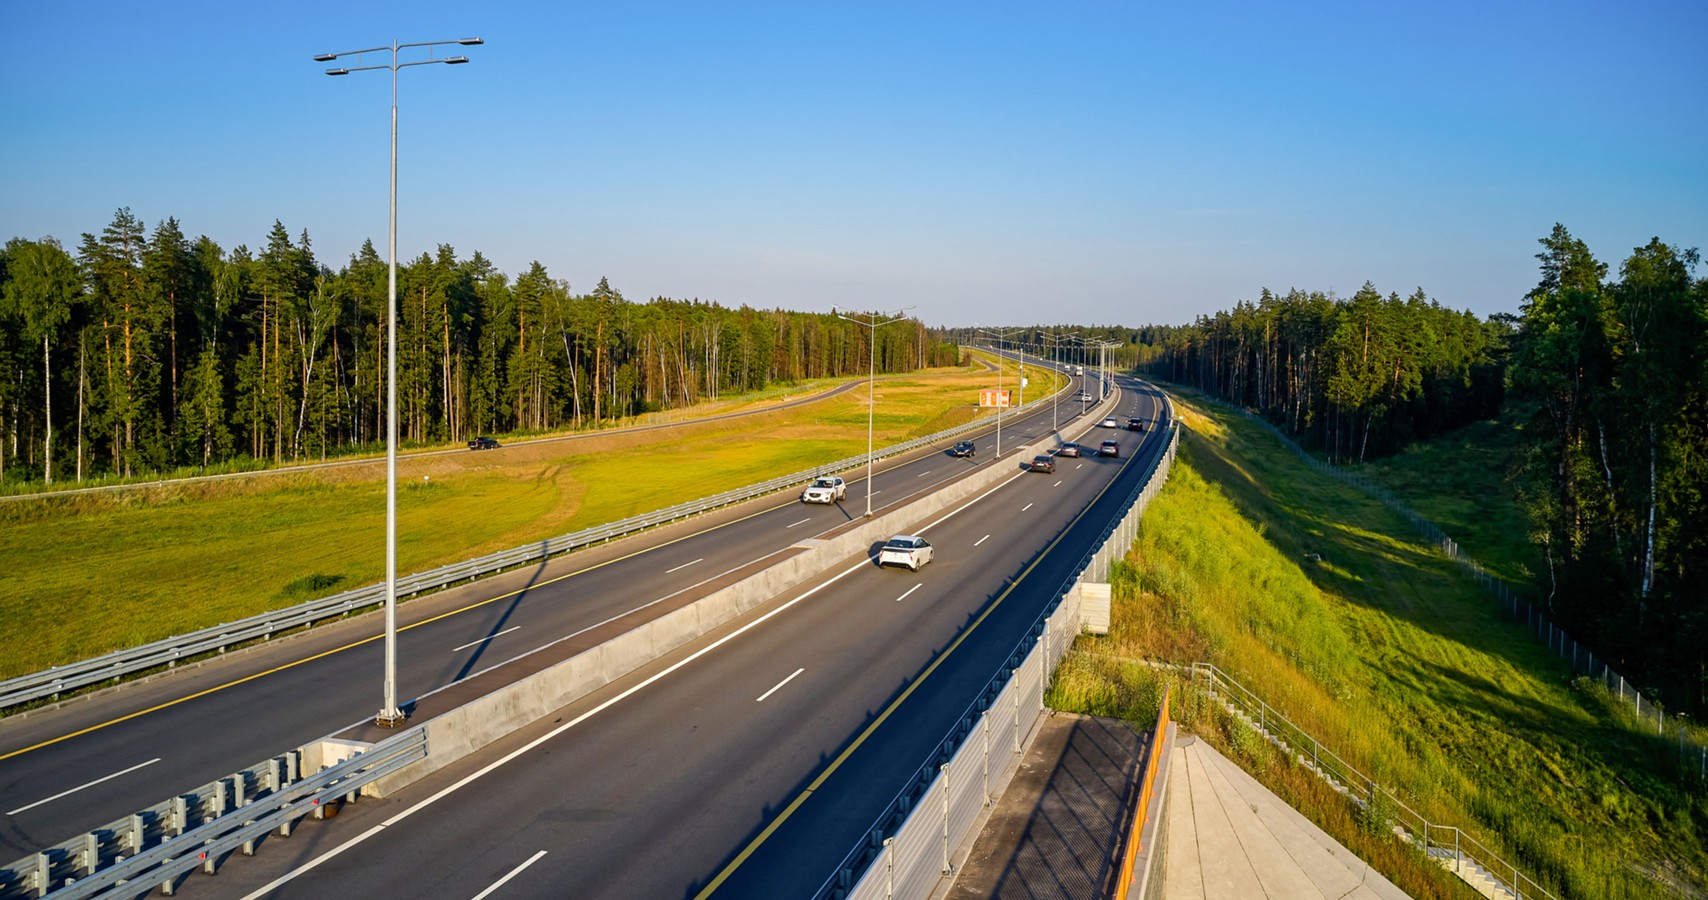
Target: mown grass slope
x=1384 y=652
x=90 y=573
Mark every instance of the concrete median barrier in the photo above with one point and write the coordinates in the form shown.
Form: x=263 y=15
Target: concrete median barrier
x=459 y=732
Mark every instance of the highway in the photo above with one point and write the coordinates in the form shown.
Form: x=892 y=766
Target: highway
x=92 y=761
x=747 y=763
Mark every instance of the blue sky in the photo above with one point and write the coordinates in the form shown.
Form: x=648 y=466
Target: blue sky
x=1001 y=163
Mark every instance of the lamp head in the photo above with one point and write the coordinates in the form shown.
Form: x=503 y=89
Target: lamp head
x=337 y=71
x=325 y=57
x=471 y=42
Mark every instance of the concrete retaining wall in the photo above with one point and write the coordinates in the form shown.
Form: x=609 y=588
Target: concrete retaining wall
x=462 y=731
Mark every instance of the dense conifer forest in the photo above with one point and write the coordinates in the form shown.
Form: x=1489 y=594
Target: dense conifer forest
x=1614 y=476
x=141 y=352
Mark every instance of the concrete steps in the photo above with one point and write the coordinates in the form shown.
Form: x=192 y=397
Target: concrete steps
x=1468 y=870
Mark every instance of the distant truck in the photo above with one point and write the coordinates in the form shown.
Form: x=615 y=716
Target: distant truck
x=1079 y=370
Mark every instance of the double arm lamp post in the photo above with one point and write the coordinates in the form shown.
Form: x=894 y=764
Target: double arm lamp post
x=872 y=324
x=390 y=713
x=1000 y=396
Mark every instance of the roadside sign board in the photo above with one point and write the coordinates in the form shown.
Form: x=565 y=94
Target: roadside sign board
x=994 y=398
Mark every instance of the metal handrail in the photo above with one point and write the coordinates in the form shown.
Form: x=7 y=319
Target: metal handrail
x=1344 y=775
x=51 y=682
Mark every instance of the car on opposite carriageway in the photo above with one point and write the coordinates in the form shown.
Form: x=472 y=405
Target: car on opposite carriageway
x=829 y=489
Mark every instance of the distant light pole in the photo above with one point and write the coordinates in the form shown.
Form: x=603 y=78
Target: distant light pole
x=1103 y=348
x=390 y=713
x=1048 y=335
x=1000 y=336
x=871 y=323
x=1074 y=339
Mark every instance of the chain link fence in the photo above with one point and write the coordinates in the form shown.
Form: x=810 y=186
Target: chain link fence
x=1692 y=751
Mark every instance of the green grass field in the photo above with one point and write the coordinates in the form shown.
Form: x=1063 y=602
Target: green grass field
x=1389 y=656
x=1463 y=482
x=87 y=574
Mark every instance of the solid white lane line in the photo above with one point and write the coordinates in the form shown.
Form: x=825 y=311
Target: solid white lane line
x=82 y=786
x=910 y=592
x=981 y=540
x=513 y=873
x=485 y=639
x=292 y=875
x=775 y=687
x=1029 y=506
x=684 y=565
x=863 y=564
x=801 y=522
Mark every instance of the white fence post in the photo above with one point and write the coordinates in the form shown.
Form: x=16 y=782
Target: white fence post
x=945 y=770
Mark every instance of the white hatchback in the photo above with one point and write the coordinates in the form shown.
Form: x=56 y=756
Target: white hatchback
x=905 y=550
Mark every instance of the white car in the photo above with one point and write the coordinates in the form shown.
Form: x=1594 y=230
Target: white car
x=1107 y=423
x=905 y=550
x=825 y=490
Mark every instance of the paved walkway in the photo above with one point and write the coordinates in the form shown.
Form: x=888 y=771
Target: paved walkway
x=1057 y=830
x=1228 y=838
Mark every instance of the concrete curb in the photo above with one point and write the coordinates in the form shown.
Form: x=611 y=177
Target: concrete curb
x=468 y=728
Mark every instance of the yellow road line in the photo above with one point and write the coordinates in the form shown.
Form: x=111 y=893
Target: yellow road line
x=291 y=665
x=894 y=705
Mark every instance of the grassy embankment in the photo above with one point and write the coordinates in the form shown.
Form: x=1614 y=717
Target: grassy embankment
x=90 y=573
x=1395 y=661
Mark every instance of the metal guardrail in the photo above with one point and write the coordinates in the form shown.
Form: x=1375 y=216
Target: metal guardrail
x=95 y=867
x=50 y=683
x=1446 y=844
x=906 y=834
x=81 y=855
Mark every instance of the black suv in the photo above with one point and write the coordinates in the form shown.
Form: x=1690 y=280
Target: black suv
x=964 y=448
x=1135 y=424
x=483 y=443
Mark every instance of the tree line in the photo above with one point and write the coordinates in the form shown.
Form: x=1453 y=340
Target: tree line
x=1614 y=469
x=1615 y=478
x=1355 y=377
x=142 y=352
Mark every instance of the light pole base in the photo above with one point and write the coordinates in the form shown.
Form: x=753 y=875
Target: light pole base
x=390 y=718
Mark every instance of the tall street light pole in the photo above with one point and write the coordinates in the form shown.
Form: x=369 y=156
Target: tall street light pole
x=1049 y=336
x=1103 y=348
x=1000 y=337
x=390 y=713
x=871 y=322
x=1084 y=395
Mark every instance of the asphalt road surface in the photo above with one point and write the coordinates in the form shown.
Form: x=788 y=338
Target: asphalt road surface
x=747 y=763
x=97 y=759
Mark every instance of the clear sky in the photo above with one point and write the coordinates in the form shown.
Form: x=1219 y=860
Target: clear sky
x=1092 y=162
